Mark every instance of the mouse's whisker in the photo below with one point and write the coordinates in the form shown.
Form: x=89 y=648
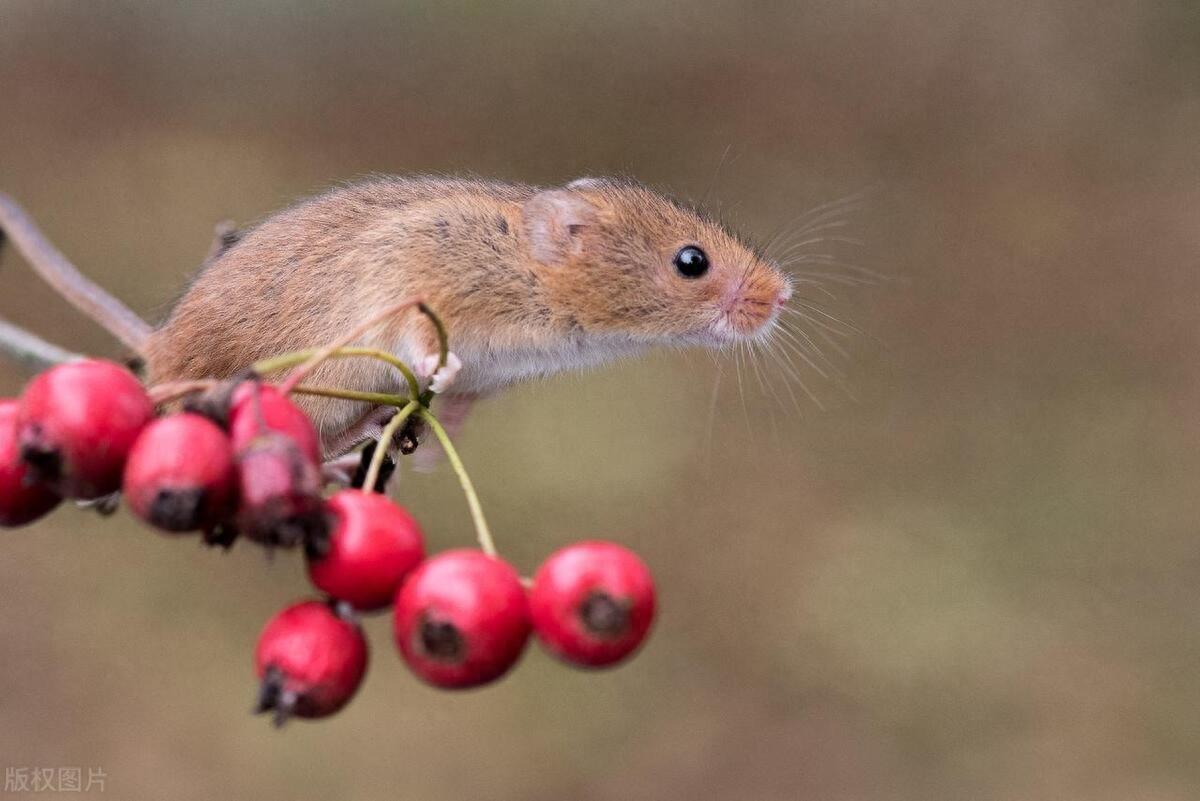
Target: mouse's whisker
x=776 y=347
x=805 y=334
x=783 y=233
x=807 y=351
x=792 y=375
x=809 y=230
x=769 y=243
x=810 y=258
x=819 y=232
x=750 y=357
x=816 y=313
x=712 y=402
x=838 y=240
x=797 y=253
x=741 y=388
x=836 y=372
x=789 y=377
x=822 y=288
x=818 y=219
x=834 y=278
x=712 y=183
x=839 y=270
x=805 y=337
x=853 y=202
x=801 y=314
x=758 y=356
x=827 y=242
x=747 y=266
x=826 y=338
x=799 y=336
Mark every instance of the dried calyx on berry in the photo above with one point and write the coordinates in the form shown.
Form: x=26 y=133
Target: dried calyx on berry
x=373 y=545
x=310 y=660
x=22 y=499
x=222 y=535
x=180 y=475
x=76 y=424
x=215 y=402
x=280 y=491
x=277 y=455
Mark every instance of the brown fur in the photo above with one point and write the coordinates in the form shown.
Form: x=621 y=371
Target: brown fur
x=517 y=273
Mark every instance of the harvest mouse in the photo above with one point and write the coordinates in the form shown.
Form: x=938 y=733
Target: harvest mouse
x=529 y=281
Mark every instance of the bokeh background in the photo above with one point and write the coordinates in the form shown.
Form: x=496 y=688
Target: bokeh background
x=968 y=572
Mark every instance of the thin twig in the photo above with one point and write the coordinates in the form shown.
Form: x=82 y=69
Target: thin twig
x=80 y=291
x=31 y=350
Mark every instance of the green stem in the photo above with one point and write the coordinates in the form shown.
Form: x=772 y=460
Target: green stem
x=389 y=433
x=481 y=526
x=443 y=345
x=165 y=393
x=443 y=338
x=277 y=363
x=282 y=362
x=378 y=398
x=327 y=350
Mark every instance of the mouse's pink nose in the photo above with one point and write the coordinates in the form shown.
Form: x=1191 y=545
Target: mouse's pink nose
x=784 y=296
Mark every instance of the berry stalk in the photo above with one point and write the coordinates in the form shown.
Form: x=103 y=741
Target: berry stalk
x=379 y=398
x=484 y=535
x=283 y=362
x=165 y=393
x=325 y=352
x=443 y=347
x=388 y=434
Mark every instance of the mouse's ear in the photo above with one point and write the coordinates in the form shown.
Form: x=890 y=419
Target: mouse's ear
x=555 y=222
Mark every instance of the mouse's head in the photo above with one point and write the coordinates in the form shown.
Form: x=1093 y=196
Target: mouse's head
x=623 y=259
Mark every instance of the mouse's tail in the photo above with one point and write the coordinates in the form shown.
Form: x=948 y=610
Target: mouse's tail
x=49 y=263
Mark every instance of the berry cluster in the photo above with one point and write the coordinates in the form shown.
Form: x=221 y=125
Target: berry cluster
x=240 y=459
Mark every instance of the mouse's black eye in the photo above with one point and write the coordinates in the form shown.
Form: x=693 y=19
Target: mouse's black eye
x=691 y=262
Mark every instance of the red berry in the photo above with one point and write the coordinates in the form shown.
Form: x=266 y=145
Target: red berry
x=180 y=474
x=310 y=661
x=77 y=423
x=257 y=408
x=22 y=500
x=373 y=545
x=461 y=619
x=280 y=494
x=592 y=603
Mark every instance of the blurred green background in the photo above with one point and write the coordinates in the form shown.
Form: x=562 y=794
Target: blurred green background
x=970 y=573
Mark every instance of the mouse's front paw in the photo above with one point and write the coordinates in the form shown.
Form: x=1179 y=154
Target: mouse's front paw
x=440 y=377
